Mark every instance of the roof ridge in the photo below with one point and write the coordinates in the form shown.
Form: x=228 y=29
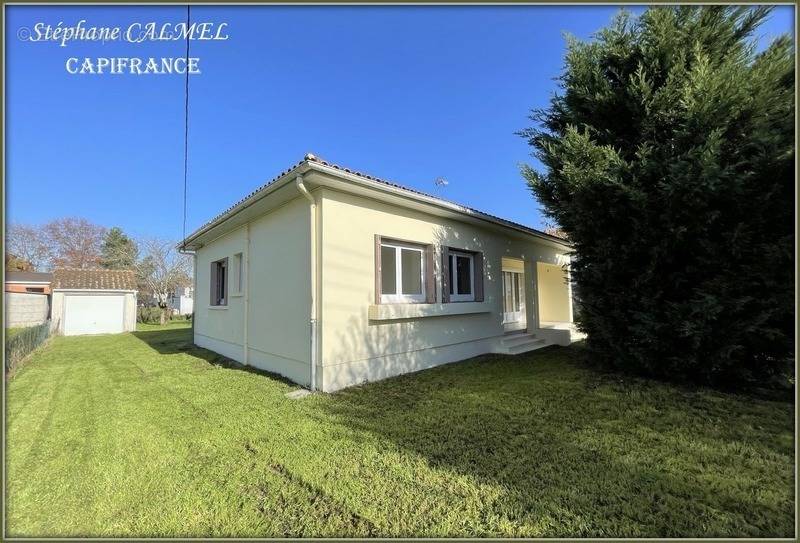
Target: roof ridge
x=312 y=158
x=71 y=268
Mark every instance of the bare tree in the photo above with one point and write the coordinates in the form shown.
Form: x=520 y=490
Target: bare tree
x=556 y=231
x=29 y=244
x=74 y=242
x=162 y=270
x=14 y=263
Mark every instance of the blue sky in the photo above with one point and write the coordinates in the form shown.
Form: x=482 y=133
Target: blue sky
x=408 y=94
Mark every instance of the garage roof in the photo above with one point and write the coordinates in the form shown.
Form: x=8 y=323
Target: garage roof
x=95 y=279
x=28 y=277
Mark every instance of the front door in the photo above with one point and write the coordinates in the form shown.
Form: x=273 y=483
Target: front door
x=513 y=301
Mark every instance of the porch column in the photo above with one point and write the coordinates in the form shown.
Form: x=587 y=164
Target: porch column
x=535 y=283
x=569 y=289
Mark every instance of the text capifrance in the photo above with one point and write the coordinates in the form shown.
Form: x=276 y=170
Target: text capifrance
x=63 y=34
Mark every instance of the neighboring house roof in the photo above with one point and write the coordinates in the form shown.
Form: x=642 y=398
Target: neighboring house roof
x=28 y=277
x=311 y=162
x=96 y=279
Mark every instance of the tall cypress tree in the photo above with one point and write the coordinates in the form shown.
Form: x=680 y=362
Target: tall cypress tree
x=668 y=160
x=118 y=251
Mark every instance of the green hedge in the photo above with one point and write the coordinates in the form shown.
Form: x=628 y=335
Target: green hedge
x=152 y=315
x=24 y=342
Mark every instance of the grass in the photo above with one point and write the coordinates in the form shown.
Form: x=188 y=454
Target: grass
x=11 y=332
x=144 y=435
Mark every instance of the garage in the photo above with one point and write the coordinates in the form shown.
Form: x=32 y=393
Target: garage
x=100 y=314
x=94 y=301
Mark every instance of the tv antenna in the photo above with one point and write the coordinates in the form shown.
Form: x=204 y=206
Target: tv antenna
x=440 y=183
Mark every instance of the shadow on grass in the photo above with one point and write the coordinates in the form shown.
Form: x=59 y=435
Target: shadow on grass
x=580 y=453
x=572 y=451
x=172 y=341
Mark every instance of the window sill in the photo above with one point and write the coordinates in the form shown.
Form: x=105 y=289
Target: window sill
x=386 y=312
x=218 y=307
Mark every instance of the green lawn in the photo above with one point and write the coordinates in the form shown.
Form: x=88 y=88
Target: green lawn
x=143 y=435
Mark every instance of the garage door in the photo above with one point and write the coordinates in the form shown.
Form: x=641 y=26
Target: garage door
x=93 y=314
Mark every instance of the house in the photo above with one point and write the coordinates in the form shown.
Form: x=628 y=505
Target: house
x=332 y=277
x=181 y=302
x=27 y=281
x=93 y=301
x=27 y=298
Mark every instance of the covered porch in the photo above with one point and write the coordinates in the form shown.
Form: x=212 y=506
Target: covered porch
x=537 y=305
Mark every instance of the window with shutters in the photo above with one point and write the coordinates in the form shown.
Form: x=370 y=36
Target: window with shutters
x=219 y=282
x=462 y=275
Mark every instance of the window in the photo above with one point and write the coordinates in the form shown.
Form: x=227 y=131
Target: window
x=238 y=274
x=219 y=282
x=462 y=277
x=401 y=272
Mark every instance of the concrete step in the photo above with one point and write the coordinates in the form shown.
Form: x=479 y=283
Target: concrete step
x=519 y=348
x=515 y=339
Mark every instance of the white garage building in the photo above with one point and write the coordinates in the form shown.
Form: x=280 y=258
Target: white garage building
x=87 y=301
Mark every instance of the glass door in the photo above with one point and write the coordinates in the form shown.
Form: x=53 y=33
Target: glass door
x=513 y=300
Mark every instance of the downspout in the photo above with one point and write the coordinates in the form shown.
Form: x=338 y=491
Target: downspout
x=246 y=276
x=194 y=291
x=313 y=317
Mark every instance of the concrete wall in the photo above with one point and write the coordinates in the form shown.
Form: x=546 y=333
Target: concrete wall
x=553 y=293
x=23 y=309
x=277 y=278
x=356 y=346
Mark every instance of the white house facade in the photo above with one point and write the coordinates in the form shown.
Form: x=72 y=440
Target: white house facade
x=333 y=278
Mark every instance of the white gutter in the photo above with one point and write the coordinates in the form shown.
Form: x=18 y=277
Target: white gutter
x=381 y=186
x=313 y=242
x=264 y=191
x=408 y=194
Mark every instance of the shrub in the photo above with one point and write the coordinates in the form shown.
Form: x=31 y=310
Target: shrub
x=669 y=163
x=23 y=343
x=148 y=315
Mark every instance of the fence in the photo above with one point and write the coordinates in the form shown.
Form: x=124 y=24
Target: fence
x=24 y=342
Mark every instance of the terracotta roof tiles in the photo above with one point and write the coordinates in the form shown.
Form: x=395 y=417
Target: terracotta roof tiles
x=98 y=279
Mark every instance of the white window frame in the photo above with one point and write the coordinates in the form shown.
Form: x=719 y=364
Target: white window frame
x=456 y=296
x=222 y=302
x=398 y=297
x=238 y=274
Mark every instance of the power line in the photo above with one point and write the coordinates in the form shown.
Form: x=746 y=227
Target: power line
x=186 y=125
